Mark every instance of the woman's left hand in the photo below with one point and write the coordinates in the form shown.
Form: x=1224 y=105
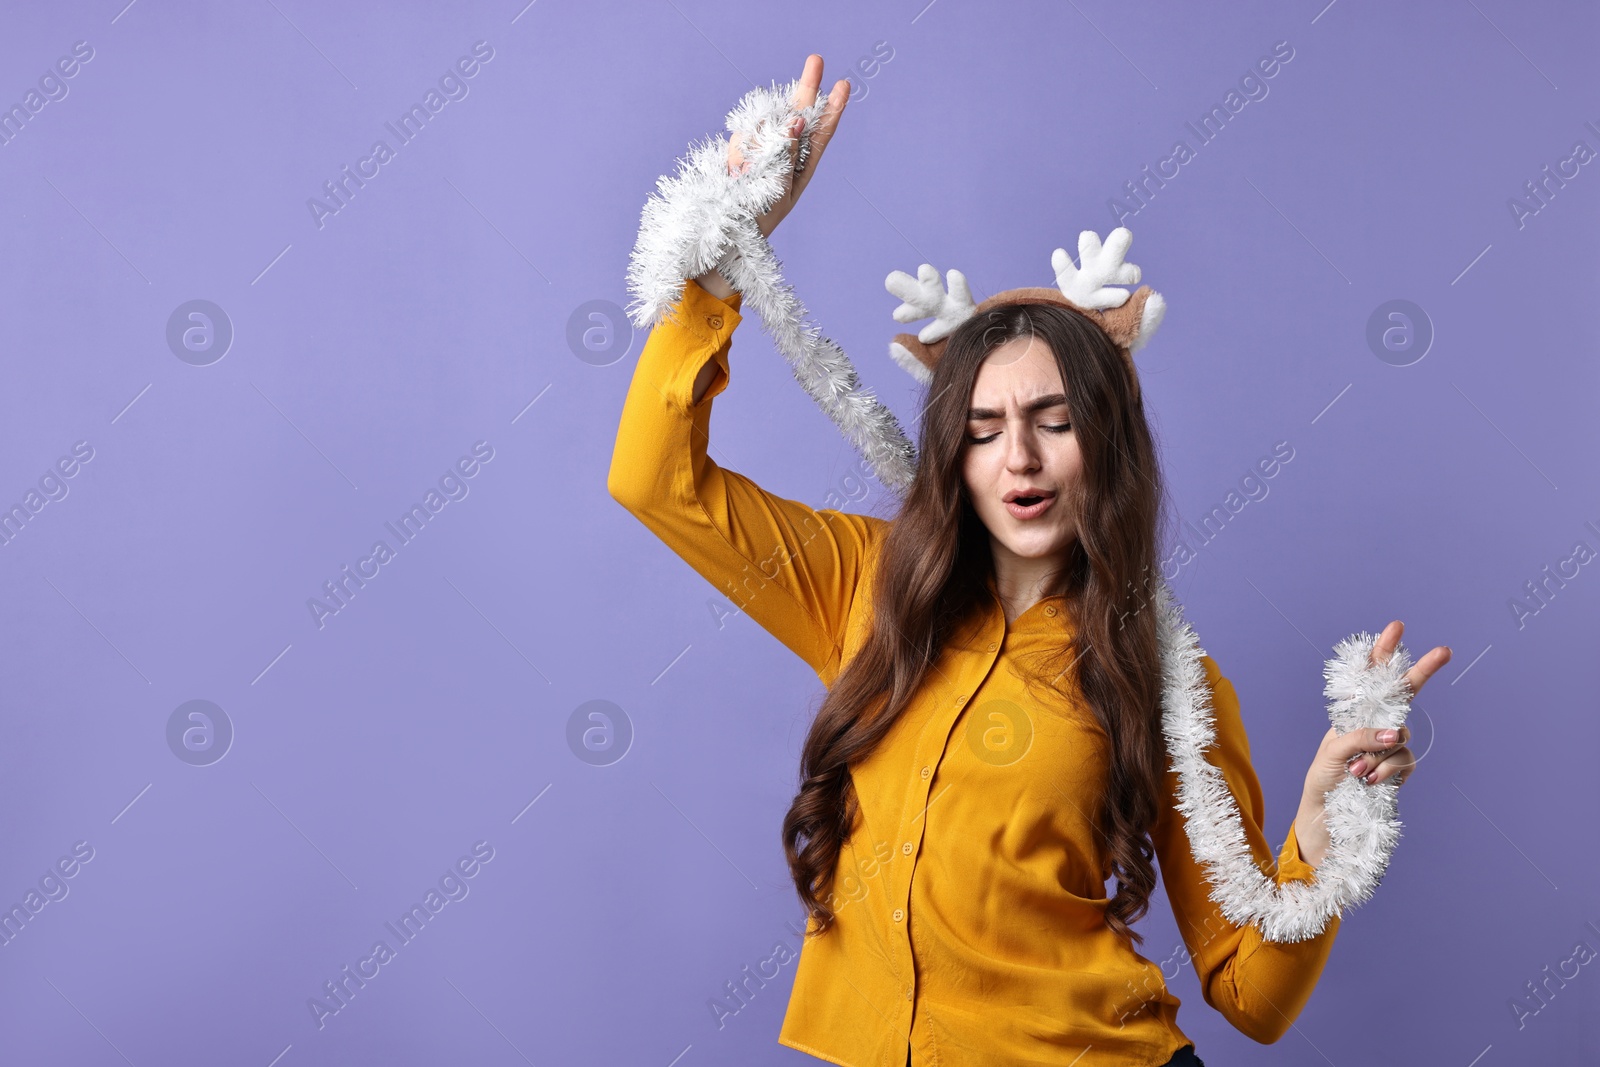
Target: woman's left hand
x=1370 y=754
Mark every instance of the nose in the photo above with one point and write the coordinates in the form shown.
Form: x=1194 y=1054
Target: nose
x=1022 y=453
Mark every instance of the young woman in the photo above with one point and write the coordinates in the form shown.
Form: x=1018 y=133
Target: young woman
x=989 y=752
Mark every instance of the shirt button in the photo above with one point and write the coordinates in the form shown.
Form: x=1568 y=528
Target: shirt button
x=714 y=321
x=906 y=848
x=925 y=772
x=908 y=992
x=1050 y=609
x=899 y=914
x=993 y=646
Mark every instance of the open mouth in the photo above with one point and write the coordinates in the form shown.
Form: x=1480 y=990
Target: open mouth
x=1029 y=505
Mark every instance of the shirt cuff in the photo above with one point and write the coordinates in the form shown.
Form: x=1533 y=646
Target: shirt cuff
x=1291 y=866
x=711 y=321
x=709 y=317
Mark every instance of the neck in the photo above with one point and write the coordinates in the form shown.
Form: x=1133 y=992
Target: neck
x=1021 y=582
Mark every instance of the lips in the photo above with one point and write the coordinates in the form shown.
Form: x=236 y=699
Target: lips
x=1028 y=503
x=1027 y=495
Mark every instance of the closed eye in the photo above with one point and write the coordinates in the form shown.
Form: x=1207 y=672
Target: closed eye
x=1062 y=428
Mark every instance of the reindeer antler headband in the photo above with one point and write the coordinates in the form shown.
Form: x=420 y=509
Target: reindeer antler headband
x=704 y=217
x=1086 y=287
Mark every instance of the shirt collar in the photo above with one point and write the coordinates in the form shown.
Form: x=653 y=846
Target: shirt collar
x=1045 y=614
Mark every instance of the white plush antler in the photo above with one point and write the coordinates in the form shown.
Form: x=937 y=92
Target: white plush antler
x=1100 y=266
x=925 y=298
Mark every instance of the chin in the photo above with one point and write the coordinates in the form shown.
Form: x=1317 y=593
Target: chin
x=1037 y=547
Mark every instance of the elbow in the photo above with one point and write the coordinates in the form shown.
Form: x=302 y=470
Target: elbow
x=639 y=484
x=1255 y=1014
x=624 y=479
x=1263 y=1030
x=623 y=488
x=616 y=482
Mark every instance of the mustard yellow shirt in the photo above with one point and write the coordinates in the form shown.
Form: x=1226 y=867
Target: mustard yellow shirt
x=971 y=895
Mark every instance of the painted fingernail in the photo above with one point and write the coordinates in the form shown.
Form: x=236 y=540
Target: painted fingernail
x=1387 y=736
x=1372 y=777
x=1360 y=766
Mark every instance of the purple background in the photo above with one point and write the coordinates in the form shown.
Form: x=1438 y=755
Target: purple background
x=433 y=309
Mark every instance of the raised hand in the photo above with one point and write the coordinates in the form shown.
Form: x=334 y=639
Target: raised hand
x=805 y=95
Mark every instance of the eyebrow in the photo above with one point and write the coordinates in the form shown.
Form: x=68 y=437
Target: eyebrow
x=1049 y=401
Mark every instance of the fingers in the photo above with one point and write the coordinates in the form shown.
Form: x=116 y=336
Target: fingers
x=1384 y=646
x=837 y=98
x=1425 y=667
x=737 y=164
x=1374 y=754
x=1381 y=739
x=1380 y=767
x=805 y=94
x=824 y=132
x=1367 y=740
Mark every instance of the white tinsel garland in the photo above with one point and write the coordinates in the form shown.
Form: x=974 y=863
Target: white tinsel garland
x=704 y=218
x=1362 y=827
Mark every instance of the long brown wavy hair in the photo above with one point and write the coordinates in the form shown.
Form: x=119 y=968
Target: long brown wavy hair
x=933 y=570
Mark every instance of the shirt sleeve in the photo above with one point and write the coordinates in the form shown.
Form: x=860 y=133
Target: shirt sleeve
x=792 y=568
x=1259 y=986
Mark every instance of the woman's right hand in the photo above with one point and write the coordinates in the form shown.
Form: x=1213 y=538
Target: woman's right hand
x=804 y=96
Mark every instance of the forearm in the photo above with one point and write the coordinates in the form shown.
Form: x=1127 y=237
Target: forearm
x=1311 y=830
x=656 y=447
x=714 y=283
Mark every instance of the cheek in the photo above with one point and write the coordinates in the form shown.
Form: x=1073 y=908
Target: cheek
x=1067 y=458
